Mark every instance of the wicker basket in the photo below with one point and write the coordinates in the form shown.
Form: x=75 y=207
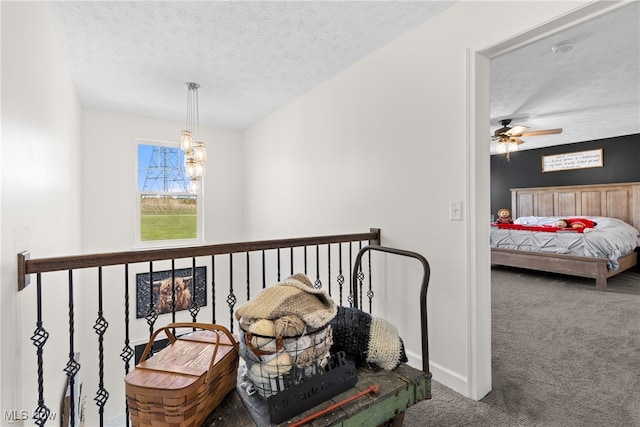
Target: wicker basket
x=180 y=385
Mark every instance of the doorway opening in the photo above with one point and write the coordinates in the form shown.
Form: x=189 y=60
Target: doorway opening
x=479 y=262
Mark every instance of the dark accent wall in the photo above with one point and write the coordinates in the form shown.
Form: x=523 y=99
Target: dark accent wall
x=621 y=159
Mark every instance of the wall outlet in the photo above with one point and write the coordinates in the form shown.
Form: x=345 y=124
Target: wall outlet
x=455 y=211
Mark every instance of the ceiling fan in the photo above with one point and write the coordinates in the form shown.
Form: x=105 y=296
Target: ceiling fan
x=509 y=138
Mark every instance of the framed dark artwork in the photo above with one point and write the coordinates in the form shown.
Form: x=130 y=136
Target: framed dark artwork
x=159 y=292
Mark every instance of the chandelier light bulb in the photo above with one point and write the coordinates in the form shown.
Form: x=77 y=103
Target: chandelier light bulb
x=190 y=167
x=200 y=151
x=186 y=140
x=200 y=169
x=194 y=185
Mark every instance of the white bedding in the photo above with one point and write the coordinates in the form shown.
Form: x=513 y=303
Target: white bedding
x=610 y=238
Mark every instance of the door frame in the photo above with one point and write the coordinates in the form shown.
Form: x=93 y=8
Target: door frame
x=478 y=184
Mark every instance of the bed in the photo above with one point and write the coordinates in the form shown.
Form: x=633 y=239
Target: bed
x=607 y=203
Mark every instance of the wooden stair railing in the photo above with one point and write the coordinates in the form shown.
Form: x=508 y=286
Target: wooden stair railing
x=37 y=267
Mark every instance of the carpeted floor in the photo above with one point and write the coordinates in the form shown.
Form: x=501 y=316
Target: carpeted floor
x=563 y=354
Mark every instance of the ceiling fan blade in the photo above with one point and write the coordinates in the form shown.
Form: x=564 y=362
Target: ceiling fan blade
x=516 y=130
x=542 y=132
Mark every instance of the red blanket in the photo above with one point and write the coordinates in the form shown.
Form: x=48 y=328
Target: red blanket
x=547 y=228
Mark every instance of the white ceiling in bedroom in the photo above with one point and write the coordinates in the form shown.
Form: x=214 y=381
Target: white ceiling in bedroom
x=591 y=91
x=252 y=57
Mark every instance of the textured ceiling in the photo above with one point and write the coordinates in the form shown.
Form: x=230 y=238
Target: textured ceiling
x=253 y=57
x=592 y=91
x=250 y=57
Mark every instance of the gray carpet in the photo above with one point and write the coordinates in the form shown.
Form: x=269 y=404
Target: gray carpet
x=564 y=355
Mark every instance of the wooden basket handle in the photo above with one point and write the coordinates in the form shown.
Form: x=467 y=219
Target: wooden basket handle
x=205 y=326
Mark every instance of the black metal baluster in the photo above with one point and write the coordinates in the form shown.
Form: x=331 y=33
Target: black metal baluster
x=39 y=338
x=248 y=279
x=152 y=313
x=73 y=366
x=340 y=275
x=264 y=272
x=329 y=267
x=370 y=291
x=305 y=260
x=318 y=282
x=278 y=252
x=194 y=308
x=360 y=278
x=173 y=292
x=100 y=327
x=291 y=260
x=213 y=289
x=350 y=298
x=127 y=352
x=231 y=299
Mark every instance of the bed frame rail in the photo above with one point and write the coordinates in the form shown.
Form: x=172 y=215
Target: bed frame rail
x=617 y=200
x=593 y=268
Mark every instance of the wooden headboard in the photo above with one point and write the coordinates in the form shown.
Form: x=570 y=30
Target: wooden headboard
x=612 y=200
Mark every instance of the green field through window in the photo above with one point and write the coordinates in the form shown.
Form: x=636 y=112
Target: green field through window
x=168 y=217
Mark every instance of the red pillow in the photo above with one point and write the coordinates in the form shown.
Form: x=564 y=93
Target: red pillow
x=580 y=223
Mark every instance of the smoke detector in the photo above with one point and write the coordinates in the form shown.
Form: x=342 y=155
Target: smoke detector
x=563 y=46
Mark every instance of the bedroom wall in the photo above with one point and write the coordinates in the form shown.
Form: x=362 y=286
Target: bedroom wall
x=384 y=144
x=40 y=192
x=620 y=156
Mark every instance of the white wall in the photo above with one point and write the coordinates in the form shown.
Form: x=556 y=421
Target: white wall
x=40 y=193
x=385 y=144
x=109 y=144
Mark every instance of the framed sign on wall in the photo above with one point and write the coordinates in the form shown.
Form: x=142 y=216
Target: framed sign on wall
x=576 y=160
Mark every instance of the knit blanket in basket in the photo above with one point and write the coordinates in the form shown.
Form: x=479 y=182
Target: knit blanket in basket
x=367 y=339
x=294 y=296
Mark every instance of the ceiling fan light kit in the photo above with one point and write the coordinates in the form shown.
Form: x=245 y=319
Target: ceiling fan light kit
x=507 y=147
x=509 y=138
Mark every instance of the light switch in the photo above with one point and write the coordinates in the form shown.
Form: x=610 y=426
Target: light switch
x=455 y=211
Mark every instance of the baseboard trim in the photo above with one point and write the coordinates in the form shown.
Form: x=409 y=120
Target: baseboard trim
x=451 y=379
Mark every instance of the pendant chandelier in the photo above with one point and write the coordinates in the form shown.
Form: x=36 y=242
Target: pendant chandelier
x=195 y=153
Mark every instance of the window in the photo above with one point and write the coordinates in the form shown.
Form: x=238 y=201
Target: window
x=167 y=211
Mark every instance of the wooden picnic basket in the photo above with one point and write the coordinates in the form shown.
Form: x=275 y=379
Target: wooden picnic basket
x=183 y=383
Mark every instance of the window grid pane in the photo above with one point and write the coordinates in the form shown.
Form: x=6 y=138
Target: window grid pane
x=167 y=210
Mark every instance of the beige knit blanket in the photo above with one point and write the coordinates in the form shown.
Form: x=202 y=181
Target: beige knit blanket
x=293 y=296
